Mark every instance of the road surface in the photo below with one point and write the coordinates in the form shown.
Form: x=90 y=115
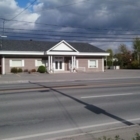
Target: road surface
x=42 y=111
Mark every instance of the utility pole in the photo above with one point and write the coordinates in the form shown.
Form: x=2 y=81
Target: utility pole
x=3 y=26
x=2 y=36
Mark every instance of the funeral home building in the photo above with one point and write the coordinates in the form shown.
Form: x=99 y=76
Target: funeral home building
x=55 y=56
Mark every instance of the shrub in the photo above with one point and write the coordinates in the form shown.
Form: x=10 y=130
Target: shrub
x=33 y=70
x=19 y=70
x=117 y=137
x=135 y=64
x=42 y=69
x=137 y=136
x=26 y=70
x=14 y=70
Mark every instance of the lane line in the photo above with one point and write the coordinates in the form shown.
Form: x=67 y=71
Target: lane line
x=100 y=96
x=18 y=75
x=34 y=74
x=69 y=130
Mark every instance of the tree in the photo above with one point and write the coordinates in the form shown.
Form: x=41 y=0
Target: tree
x=110 y=57
x=123 y=49
x=124 y=56
x=136 y=47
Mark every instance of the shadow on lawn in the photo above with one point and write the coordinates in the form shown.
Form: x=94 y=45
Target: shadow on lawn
x=90 y=107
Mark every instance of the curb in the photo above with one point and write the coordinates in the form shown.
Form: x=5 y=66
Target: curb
x=71 y=137
x=72 y=80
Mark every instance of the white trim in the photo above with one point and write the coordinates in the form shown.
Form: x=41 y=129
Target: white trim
x=52 y=53
x=51 y=63
x=96 y=64
x=62 y=53
x=22 y=61
x=3 y=65
x=93 y=54
x=48 y=63
x=77 y=63
x=71 y=63
x=10 y=63
x=21 y=53
x=77 y=54
x=36 y=63
x=63 y=41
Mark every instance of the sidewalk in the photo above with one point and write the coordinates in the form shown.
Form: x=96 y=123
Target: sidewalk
x=125 y=133
x=37 y=77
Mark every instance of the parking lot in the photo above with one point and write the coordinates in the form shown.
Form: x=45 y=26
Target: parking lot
x=109 y=74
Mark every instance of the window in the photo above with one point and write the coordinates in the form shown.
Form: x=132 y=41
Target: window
x=40 y=63
x=16 y=63
x=93 y=64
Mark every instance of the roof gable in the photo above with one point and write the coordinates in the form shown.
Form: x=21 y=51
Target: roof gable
x=62 y=46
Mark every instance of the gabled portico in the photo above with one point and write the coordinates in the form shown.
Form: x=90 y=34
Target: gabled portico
x=59 y=55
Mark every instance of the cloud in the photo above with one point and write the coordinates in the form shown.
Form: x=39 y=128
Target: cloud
x=97 y=21
x=10 y=8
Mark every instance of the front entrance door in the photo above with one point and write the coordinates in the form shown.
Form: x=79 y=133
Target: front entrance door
x=59 y=63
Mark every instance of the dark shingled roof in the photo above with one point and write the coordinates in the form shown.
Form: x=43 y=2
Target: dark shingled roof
x=26 y=45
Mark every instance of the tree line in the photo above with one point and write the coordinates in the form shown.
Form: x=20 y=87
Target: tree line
x=125 y=58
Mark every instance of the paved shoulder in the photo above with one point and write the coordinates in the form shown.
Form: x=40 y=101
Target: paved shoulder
x=125 y=133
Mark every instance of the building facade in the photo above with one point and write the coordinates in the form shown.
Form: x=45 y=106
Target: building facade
x=56 y=57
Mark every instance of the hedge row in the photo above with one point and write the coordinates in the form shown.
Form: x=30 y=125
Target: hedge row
x=41 y=69
x=16 y=70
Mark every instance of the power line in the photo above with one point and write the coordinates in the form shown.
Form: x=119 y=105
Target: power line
x=77 y=27
x=60 y=35
x=24 y=10
x=65 y=38
x=85 y=33
x=76 y=40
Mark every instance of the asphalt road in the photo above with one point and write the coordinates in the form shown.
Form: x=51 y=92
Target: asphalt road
x=50 y=110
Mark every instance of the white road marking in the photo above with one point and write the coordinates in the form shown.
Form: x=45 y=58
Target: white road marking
x=18 y=75
x=68 y=130
x=109 y=95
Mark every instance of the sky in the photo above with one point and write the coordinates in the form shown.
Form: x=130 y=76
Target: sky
x=23 y=3
x=103 y=23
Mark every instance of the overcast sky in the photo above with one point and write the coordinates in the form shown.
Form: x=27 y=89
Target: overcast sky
x=93 y=21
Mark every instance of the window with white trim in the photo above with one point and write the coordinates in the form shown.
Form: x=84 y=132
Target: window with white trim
x=92 y=63
x=40 y=63
x=16 y=63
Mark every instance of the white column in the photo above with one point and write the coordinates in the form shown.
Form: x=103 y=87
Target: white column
x=71 y=63
x=3 y=65
x=106 y=63
x=49 y=63
x=74 y=63
x=103 y=64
